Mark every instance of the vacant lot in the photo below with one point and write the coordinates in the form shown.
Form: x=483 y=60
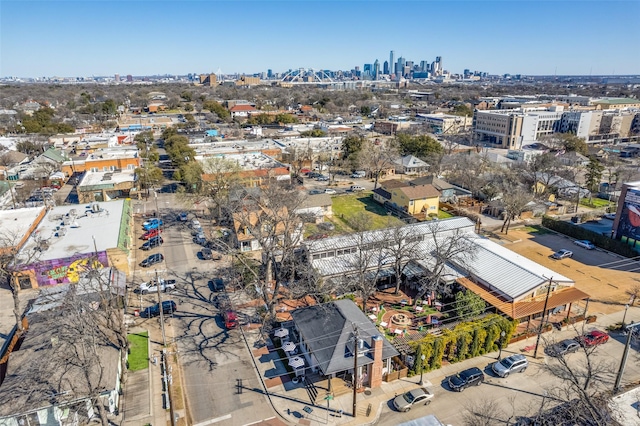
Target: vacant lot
x=347 y=207
x=606 y=277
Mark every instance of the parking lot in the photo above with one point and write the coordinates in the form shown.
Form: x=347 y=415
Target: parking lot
x=605 y=276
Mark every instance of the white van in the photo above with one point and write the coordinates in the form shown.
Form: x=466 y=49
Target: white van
x=357 y=188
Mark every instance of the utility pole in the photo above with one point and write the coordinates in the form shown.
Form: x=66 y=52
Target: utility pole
x=544 y=313
x=164 y=339
x=355 y=367
x=625 y=354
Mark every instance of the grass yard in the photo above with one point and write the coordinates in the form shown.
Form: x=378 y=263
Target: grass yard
x=138 y=351
x=595 y=203
x=535 y=229
x=444 y=215
x=347 y=207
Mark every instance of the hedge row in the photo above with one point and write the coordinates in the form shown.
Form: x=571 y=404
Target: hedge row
x=466 y=340
x=580 y=233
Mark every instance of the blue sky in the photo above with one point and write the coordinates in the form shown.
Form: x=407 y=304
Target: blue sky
x=67 y=38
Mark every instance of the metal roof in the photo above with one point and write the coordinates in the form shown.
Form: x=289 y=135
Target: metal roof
x=507 y=272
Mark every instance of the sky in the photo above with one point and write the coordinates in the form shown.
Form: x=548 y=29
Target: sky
x=156 y=37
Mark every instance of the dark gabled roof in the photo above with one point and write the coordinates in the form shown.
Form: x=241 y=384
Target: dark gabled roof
x=393 y=184
x=439 y=184
x=381 y=192
x=327 y=330
x=421 y=191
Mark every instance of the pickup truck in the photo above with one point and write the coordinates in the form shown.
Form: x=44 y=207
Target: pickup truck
x=151 y=286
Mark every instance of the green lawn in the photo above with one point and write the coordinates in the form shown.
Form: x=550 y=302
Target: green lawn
x=444 y=215
x=138 y=351
x=346 y=207
x=535 y=229
x=595 y=203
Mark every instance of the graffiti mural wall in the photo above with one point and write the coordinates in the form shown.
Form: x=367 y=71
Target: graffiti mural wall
x=67 y=270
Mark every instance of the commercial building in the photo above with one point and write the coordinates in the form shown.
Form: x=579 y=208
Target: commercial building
x=626 y=226
x=208 y=79
x=104 y=160
x=107 y=185
x=445 y=123
x=71 y=240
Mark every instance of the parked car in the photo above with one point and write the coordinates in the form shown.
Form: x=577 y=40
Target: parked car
x=195 y=223
x=152 y=242
x=517 y=363
x=152 y=260
x=216 y=285
x=357 y=188
x=593 y=338
x=407 y=400
x=222 y=302
x=316 y=192
x=168 y=307
x=610 y=216
x=562 y=348
x=466 y=378
x=317 y=236
x=322 y=178
x=197 y=229
x=230 y=319
x=151 y=233
x=561 y=254
x=330 y=191
x=152 y=286
x=200 y=239
x=208 y=254
x=182 y=217
x=326 y=226
x=155 y=224
x=585 y=244
x=358 y=174
x=151 y=221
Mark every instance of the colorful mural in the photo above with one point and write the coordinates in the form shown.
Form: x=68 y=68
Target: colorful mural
x=67 y=270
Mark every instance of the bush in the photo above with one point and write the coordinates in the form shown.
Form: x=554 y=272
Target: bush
x=580 y=233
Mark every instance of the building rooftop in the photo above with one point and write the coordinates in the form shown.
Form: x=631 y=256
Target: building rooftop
x=248 y=161
x=14 y=224
x=100 y=180
x=615 y=101
x=70 y=230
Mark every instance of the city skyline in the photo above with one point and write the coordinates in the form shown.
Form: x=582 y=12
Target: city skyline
x=154 y=38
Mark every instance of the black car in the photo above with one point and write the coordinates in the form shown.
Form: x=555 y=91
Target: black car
x=466 y=378
x=152 y=260
x=168 y=307
x=152 y=242
x=216 y=284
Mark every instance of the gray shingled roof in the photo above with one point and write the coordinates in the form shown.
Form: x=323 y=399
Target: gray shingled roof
x=327 y=330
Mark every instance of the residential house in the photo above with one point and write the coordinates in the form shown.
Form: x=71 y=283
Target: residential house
x=328 y=341
x=573 y=159
x=316 y=207
x=449 y=193
x=241 y=110
x=253 y=225
x=414 y=199
x=410 y=165
x=46 y=382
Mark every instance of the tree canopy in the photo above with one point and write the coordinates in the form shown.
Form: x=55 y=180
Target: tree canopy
x=421 y=146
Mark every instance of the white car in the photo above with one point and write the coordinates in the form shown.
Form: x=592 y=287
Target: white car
x=585 y=244
x=330 y=191
x=151 y=286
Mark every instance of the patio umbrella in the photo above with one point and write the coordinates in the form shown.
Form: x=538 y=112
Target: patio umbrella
x=289 y=347
x=281 y=332
x=296 y=362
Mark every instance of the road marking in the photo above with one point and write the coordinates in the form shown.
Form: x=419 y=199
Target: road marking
x=212 y=421
x=260 y=421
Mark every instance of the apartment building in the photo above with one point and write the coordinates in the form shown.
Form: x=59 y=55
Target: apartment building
x=208 y=79
x=615 y=103
x=445 y=123
x=602 y=126
x=498 y=128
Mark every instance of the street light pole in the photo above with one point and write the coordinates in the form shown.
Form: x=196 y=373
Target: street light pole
x=502 y=334
x=624 y=317
x=422 y=357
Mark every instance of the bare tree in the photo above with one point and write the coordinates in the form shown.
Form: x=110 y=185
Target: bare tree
x=445 y=246
x=377 y=158
x=401 y=249
x=12 y=261
x=515 y=199
x=270 y=218
x=221 y=177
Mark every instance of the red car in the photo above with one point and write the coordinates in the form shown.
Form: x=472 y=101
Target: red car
x=593 y=338
x=230 y=319
x=151 y=233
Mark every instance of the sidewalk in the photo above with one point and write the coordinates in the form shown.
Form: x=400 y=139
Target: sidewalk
x=292 y=401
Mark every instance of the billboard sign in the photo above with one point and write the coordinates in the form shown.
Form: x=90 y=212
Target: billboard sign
x=629 y=223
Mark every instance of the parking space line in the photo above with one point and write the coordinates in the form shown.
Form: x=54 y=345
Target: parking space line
x=212 y=421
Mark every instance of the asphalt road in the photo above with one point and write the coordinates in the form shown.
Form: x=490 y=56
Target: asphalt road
x=213 y=360
x=520 y=394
